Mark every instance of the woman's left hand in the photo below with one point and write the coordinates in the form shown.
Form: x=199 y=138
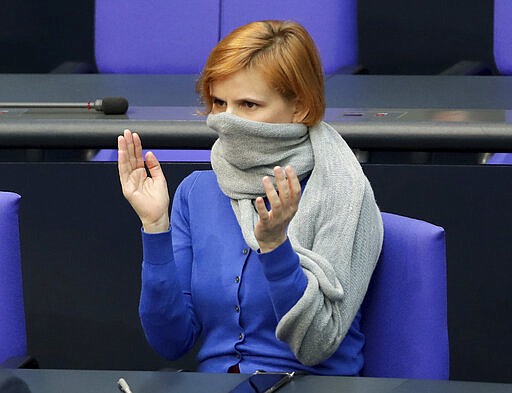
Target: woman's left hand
x=270 y=231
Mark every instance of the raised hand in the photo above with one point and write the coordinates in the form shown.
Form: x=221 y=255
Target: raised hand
x=148 y=195
x=270 y=231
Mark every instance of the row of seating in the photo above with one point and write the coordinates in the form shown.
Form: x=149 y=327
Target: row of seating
x=404 y=315
x=165 y=38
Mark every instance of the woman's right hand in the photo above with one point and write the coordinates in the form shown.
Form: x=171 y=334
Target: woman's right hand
x=148 y=195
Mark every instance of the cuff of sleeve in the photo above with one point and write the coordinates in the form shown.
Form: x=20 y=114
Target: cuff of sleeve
x=280 y=262
x=157 y=247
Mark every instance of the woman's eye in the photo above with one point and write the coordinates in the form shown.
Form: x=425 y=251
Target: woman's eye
x=218 y=102
x=249 y=104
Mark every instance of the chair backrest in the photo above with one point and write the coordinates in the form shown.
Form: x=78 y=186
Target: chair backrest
x=503 y=36
x=12 y=315
x=154 y=37
x=502 y=57
x=331 y=23
x=161 y=36
x=500 y=159
x=404 y=314
x=163 y=155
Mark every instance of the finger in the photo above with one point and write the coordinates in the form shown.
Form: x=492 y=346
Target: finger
x=130 y=148
x=154 y=167
x=282 y=185
x=273 y=198
x=294 y=186
x=262 y=211
x=137 y=149
x=123 y=163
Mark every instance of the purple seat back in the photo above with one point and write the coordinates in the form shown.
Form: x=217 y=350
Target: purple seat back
x=13 y=340
x=331 y=23
x=163 y=155
x=404 y=314
x=503 y=36
x=166 y=37
x=155 y=37
x=500 y=159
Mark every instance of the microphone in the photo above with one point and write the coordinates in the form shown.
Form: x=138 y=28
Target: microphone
x=107 y=105
x=110 y=105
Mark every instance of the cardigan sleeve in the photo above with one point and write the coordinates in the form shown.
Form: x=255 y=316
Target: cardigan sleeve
x=165 y=309
x=286 y=280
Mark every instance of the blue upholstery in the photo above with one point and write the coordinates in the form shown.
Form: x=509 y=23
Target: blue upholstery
x=170 y=155
x=503 y=36
x=167 y=37
x=331 y=23
x=404 y=314
x=12 y=315
x=154 y=37
x=500 y=159
x=502 y=56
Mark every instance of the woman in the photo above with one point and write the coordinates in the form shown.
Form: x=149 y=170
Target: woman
x=267 y=258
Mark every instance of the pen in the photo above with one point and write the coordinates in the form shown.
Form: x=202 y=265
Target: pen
x=123 y=386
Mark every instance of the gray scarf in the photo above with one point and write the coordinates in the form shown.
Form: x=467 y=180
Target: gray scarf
x=337 y=230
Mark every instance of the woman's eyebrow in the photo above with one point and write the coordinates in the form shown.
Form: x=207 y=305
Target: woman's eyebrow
x=250 y=99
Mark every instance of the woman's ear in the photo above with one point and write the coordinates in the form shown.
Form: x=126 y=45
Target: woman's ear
x=300 y=112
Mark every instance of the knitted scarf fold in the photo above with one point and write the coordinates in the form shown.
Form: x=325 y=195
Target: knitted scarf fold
x=337 y=230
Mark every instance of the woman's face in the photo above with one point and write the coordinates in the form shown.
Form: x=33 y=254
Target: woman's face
x=246 y=94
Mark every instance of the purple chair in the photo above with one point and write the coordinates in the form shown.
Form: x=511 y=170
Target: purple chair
x=502 y=56
x=500 y=159
x=331 y=23
x=163 y=155
x=503 y=36
x=13 y=340
x=404 y=314
x=154 y=37
x=166 y=37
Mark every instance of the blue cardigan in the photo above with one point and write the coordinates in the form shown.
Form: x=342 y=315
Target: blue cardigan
x=200 y=281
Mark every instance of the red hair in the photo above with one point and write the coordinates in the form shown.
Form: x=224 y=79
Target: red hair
x=285 y=53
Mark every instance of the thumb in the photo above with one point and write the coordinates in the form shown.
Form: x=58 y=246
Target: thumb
x=155 y=170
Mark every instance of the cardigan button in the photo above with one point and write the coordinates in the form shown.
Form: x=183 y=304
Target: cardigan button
x=237 y=309
x=245 y=251
x=237 y=279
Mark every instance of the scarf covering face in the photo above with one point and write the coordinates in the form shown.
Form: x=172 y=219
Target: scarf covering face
x=337 y=231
